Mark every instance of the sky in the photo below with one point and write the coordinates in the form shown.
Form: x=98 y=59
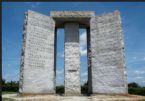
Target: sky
x=133 y=25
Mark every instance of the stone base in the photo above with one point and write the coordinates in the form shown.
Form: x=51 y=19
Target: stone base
x=34 y=94
x=69 y=94
x=15 y=97
x=110 y=94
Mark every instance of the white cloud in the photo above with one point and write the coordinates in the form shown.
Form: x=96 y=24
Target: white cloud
x=139 y=77
x=84 y=81
x=84 y=74
x=139 y=72
x=83 y=52
x=59 y=77
x=83 y=44
x=134 y=57
x=83 y=40
x=60 y=72
x=83 y=77
x=144 y=58
x=137 y=59
x=12 y=76
x=60 y=54
x=35 y=5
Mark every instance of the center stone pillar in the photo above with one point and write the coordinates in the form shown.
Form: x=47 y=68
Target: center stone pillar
x=72 y=59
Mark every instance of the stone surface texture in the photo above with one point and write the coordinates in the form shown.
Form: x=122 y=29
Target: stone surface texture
x=72 y=59
x=81 y=17
x=106 y=65
x=37 y=63
x=14 y=97
x=72 y=14
x=107 y=52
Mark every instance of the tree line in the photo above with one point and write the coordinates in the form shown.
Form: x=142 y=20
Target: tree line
x=13 y=86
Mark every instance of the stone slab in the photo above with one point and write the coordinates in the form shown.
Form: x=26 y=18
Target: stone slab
x=72 y=14
x=107 y=54
x=81 y=17
x=72 y=59
x=37 y=64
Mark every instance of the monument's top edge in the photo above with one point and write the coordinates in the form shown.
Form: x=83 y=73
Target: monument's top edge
x=82 y=14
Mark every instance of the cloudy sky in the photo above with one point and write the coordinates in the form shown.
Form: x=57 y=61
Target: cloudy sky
x=133 y=23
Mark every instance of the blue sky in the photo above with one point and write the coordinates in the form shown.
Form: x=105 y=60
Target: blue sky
x=133 y=23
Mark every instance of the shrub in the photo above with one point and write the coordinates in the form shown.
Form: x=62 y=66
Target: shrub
x=59 y=89
x=10 y=86
x=136 y=90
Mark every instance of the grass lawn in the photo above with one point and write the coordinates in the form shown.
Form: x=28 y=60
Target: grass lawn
x=6 y=99
x=8 y=92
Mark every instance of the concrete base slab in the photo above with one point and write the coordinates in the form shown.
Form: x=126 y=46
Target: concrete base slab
x=15 y=97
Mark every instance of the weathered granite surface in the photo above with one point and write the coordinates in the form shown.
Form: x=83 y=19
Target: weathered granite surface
x=106 y=70
x=72 y=59
x=73 y=14
x=107 y=47
x=37 y=63
x=81 y=17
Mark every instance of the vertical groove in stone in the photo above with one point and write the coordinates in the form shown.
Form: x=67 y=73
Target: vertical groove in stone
x=89 y=62
x=72 y=59
x=55 y=56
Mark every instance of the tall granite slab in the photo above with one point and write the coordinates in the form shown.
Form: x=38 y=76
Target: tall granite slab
x=72 y=59
x=107 y=54
x=37 y=62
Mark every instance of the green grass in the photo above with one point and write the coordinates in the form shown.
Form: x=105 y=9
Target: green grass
x=8 y=92
x=6 y=99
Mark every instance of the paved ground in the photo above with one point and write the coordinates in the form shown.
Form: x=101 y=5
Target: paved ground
x=15 y=97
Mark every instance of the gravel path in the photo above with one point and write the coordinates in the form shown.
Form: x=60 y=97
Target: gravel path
x=15 y=97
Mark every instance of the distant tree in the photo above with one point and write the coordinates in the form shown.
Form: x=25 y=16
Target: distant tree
x=3 y=81
x=86 y=84
x=10 y=86
x=133 y=84
x=134 y=88
x=84 y=88
x=60 y=89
